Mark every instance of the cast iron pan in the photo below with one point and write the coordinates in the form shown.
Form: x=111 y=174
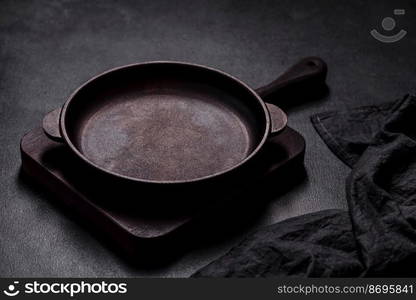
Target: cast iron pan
x=172 y=123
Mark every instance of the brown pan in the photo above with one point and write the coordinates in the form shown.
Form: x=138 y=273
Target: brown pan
x=171 y=124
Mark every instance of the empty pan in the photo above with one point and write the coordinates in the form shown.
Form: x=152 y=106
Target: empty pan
x=172 y=123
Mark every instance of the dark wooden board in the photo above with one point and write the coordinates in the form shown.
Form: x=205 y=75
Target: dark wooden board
x=50 y=165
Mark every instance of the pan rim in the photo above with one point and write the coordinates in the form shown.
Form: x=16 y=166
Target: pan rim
x=250 y=90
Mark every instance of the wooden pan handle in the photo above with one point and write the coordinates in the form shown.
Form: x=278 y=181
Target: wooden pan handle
x=302 y=79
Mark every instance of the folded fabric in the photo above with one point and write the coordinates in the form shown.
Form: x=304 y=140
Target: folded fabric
x=376 y=236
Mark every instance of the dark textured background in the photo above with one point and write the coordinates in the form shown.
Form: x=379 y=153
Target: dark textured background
x=48 y=48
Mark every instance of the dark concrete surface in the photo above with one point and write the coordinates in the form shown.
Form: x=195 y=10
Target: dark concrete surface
x=48 y=48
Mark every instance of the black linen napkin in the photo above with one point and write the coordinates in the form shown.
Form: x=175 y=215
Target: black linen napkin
x=377 y=236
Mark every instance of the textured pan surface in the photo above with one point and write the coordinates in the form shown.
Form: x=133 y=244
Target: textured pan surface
x=166 y=126
x=165 y=137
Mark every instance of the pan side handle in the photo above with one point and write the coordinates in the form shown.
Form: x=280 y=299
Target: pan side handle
x=50 y=125
x=278 y=119
x=302 y=80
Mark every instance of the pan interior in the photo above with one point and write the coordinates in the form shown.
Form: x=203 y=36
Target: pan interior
x=166 y=126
